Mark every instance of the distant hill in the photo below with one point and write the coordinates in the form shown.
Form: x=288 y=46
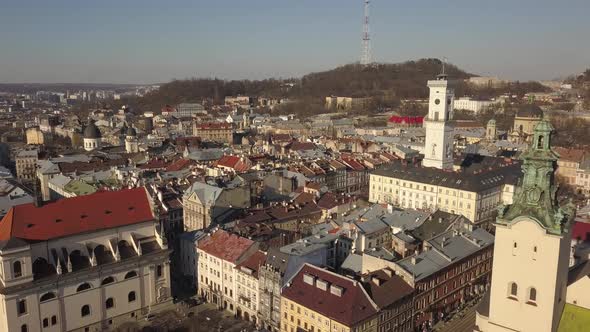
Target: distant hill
x=386 y=83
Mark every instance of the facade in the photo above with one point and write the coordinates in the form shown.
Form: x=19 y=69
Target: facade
x=218 y=132
x=568 y=164
x=26 y=164
x=532 y=249
x=219 y=254
x=87 y=263
x=318 y=300
x=474 y=194
x=271 y=277
x=247 y=286
x=473 y=105
x=340 y=103
x=35 y=136
x=204 y=205
x=583 y=177
x=187 y=110
x=525 y=121
x=438 y=149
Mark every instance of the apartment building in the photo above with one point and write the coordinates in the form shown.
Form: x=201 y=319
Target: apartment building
x=219 y=254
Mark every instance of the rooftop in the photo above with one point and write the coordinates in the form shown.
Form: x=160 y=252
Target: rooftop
x=337 y=297
x=226 y=246
x=102 y=210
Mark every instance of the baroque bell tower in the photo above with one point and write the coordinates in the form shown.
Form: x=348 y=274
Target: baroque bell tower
x=531 y=249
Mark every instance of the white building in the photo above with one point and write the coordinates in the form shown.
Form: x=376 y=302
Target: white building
x=473 y=105
x=247 y=286
x=86 y=264
x=438 y=149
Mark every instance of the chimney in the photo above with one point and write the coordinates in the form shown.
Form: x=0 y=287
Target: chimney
x=413 y=260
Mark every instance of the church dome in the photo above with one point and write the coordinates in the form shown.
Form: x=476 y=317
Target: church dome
x=530 y=111
x=91 y=131
x=131 y=132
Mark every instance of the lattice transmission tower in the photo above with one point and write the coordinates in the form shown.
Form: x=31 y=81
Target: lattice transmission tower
x=366 y=40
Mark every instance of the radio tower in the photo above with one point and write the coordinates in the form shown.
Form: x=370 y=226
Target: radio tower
x=366 y=41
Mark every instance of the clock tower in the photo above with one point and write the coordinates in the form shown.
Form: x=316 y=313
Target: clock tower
x=531 y=249
x=438 y=149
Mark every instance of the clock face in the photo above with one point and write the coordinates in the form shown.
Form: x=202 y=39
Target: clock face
x=437 y=101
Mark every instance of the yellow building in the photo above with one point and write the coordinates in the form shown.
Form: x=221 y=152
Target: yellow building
x=317 y=300
x=35 y=136
x=218 y=132
x=474 y=193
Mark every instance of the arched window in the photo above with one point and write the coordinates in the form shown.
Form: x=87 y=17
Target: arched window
x=53 y=320
x=109 y=303
x=533 y=294
x=83 y=287
x=24 y=328
x=107 y=280
x=131 y=297
x=45 y=322
x=47 y=296
x=540 y=142
x=17 y=269
x=131 y=274
x=85 y=311
x=513 y=289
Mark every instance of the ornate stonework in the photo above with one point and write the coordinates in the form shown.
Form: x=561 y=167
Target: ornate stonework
x=535 y=196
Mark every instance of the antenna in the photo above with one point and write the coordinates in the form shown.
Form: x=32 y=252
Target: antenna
x=444 y=62
x=366 y=40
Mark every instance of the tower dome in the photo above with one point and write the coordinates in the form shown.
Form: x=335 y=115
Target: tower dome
x=91 y=131
x=529 y=111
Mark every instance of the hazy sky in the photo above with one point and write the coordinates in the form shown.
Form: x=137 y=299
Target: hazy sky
x=144 y=41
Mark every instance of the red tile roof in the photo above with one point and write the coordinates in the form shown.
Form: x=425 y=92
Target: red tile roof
x=351 y=308
x=69 y=216
x=581 y=231
x=155 y=164
x=179 y=164
x=226 y=246
x=253 y=262
x=406 y=119
x=568 y=154
x=234 y=162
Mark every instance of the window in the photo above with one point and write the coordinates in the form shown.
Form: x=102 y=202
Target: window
x=513 y=289
x=131 y=297
x=159 y=271
x=53 y=320
x=107 y=280
x=47 y=297
x=533 y=294
x=17 y=269
x=109 y=303
x=131 y=274
x=45 y=322
x=85 y=311
x=21 y=307
x=83 y=287
x=24 y=328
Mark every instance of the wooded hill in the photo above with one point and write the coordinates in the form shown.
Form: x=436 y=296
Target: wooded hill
x=385 y=82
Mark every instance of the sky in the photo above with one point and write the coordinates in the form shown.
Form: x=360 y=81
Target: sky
x=146 y=41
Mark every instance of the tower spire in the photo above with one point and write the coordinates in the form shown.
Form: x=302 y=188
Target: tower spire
x=366 y=40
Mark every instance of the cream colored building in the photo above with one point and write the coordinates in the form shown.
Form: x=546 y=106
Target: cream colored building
x=88 y=263
x=473 y=195
x=35 y=136
x=531 y=251
x=218 y=256
x=247 y=286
